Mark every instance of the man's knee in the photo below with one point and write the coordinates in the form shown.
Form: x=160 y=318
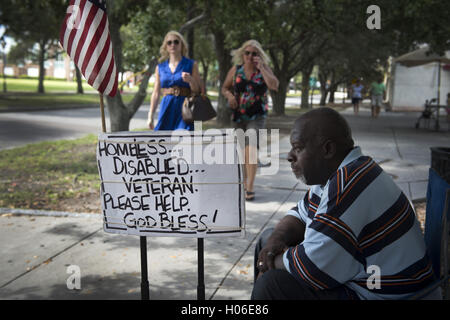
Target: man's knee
x=281 y=285
x=263 y=286
x=274 y=285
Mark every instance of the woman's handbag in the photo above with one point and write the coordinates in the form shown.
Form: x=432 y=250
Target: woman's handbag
x=197 y=108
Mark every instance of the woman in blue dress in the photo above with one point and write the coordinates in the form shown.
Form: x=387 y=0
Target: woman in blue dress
x=176 y=77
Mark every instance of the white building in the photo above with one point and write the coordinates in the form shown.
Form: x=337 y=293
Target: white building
x=409 y=87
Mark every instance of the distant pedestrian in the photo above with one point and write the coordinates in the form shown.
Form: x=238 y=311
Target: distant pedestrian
x=175 y=77
x=356 y=92
x=378 y=93
x=246 y=87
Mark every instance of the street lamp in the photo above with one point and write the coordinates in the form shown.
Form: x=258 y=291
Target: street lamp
x=3 y=43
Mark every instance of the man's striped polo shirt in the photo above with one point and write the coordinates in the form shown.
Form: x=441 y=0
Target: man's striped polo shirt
x=360 y=223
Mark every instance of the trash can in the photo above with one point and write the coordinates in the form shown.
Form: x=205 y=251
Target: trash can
x=440 y=162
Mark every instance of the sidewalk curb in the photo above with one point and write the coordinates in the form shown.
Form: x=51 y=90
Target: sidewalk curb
x=48 y=213
x=67 y=107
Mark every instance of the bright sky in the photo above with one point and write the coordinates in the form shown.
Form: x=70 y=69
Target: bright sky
x=9 y=41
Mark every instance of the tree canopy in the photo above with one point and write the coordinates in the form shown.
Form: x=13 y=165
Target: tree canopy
x=331 y=36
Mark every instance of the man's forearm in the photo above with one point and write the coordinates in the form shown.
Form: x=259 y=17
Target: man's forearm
x=289 y=230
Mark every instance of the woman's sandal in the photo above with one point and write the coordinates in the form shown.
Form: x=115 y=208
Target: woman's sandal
x=249 y=195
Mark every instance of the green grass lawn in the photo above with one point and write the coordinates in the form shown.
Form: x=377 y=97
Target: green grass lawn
x=41 y=175
x=50 y=100
x=22 y=93
x=51 y=86
x=31 y=85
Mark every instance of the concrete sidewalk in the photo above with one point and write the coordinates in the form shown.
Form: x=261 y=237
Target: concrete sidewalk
x=38 y=249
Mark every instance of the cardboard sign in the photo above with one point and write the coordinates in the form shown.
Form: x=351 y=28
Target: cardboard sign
x=171 y=183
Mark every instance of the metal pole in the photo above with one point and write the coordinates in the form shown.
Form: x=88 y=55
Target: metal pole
x=102 y=111
x=145 y=291
x=438 y=97
x=439 y=84
x=201 y=271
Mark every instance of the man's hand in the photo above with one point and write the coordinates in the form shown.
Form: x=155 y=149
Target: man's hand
x=288 y=232
x=266 y=259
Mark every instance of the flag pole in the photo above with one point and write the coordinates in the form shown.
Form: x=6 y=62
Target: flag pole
x=145 y=291
x=201 y=270
x=102 y=110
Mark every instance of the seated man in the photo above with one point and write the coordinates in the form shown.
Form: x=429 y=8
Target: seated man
x=352 y=225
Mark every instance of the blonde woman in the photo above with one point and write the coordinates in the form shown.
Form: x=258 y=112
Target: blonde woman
x=176 y=76
x=246 y=87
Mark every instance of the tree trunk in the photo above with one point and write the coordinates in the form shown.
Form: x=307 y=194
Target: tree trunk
x=205 y=68
x=279 y=97
x=333 y=86
x=323 y=77
x=190 y=31
x=41 y=67
x=305 y=90
x=121 y=114
x=190 y=42
x=323 y=94
x=79 y=81
x=223 y=58
x=306 y=74
x=140 y=96
x=305 y=94
x=205 y=75
x=333 y=89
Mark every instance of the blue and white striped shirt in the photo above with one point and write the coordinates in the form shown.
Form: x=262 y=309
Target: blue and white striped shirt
x=360 y=218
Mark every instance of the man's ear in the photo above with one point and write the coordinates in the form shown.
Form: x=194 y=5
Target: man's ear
x=329 y=149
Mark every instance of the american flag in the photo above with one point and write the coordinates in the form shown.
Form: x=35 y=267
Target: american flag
x=85 y=37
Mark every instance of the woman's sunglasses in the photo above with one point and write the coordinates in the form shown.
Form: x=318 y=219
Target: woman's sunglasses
x=253 y=53
x=175 y=42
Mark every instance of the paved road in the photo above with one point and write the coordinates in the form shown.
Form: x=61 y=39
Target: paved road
x=21 y=128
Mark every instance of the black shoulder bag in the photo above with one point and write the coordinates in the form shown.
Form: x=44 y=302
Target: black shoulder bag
x=197 y=107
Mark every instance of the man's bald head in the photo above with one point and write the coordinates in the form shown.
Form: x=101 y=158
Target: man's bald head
x=325 y=123
x=320 y=141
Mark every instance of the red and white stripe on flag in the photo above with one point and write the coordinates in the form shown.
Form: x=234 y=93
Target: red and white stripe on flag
x=85 y=37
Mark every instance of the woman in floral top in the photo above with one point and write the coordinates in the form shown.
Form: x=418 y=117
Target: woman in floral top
x=245 y=88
